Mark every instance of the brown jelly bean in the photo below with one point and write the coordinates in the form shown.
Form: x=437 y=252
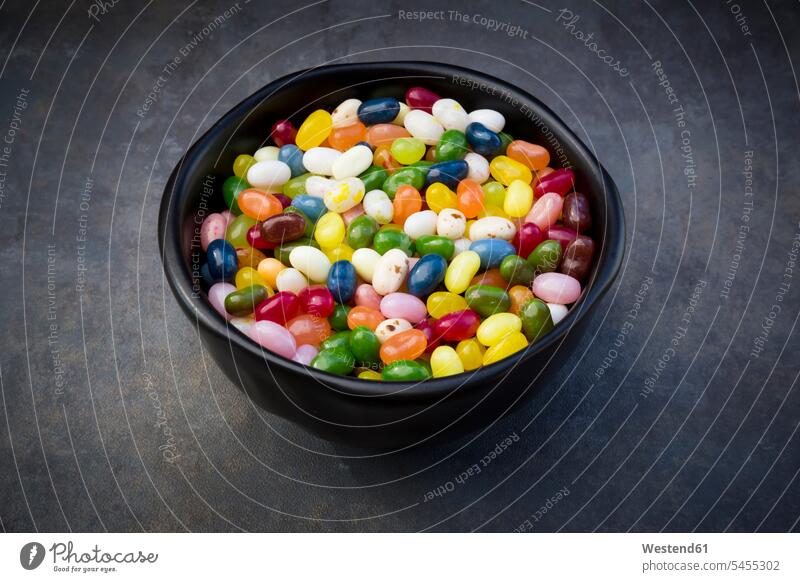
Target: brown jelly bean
x=577 y=258
x=577 y=213
x=283 y=228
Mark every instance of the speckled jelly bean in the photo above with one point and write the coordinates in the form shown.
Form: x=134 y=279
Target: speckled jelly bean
x=346 y=113
x=344 y=195
x=390 y=271
x=492 y=227
x=389 y=327
x=213 y=228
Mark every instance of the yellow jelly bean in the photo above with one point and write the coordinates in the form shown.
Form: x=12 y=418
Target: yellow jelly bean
x=470 y=351
x=505 y=170
x=496 y=327
x=461 y=271
x=510 y=344
x=492 y=210
x=247 y=276
x=370 y=375
x=268 y=270
x=438 y=196
x=519 y=199
x=441 y=303
x=314 y=130
x=445 y=362
x=329 y=232
x=390 y=226
x=494 y=193
x=341 y=252
x=241 y=164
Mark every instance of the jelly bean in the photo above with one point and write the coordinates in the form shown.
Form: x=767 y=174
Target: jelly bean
x=374 y=111
x=546 y=210
x=556 y=288
x=490 y=118
x=457 y=325
x=241 y=164
x=559 y=182
x=247 y=276
x=309 y=329
x=527 y=238
x=421 y=98
x=352 y=162
x=426 y=275
x=492 y=251
x=489 y=210
x=389 y=327
x=317 y=300
x=426 y=327
x=478 y=167
x=445 y=362
x=517 y=270
x=492 y=278
x=364 y=261
x=283 y=251
x=437 y=245
x=285 y=201
x=341 y=282
x=361 y=231
x=441 y=303
x=365 y=346
x=577 y=213
x=283 y=228
x=577 y=260
x=438 y=197
x=401 y=115
x=460 y=245
x=248 y=257
x=448 y=173
x=258 y=204
x=314 y=130
x=341 y=252
x=346 y=113
x=494 y=193
x=320 y=160
x=406 y=345
x=295 y=186
x=291 y=280
x=216 y=296
x=420 y=223
x=308 y=225
x=509 y=345
x=370 y=375
x=292 y=156
x=461 y=271
x=405 y=371
x=505 y=170
x=338 y=340
x=366 y=296
x=373 y=178
x=450 y=114
x=311 y=206
x=390 y=271
x=562 y=234
x=384 y=134
x=518 y=200
x=330 y=230
x=423 y=126
x=338 y=319
x=487 y=300
x=283 y=132
x=279 y=308
x=274 y=337
x=482 y=139
x=557 y=312
x=311 y=262
x=213 y=228
x=545 y=257
x=505 y=141
x=536 y=319
x=305 y=354
x=267 y=153
x=492 y=227
x=451 y=224
x=407 y=176
x=378 y=206
x=520 y=295
x=406 y=202
x=344 y=138
x=344 y=195
x=470 y=198
x=231 y=188
x=222 y=261
x=407 y=150
x=531 y=155
x=470 y=352
x=452 y=146
x=404 y=306
x=339 y=362
x=269 y=174
x=385 y=240
x=496 y=327
x=268 y=270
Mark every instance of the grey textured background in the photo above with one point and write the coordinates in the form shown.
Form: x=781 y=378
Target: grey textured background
x=95 y=382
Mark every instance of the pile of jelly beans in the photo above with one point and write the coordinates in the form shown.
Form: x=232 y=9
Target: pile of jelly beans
x=397 y=240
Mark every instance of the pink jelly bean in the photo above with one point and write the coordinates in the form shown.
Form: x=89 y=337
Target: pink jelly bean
x=216 y=296
x=274 y=337
x=352 y=214
x=213 y=228
x=560 y=182
x=366 y=296
x=556 y=288
x=562 y=234
x=546 y=210
x=228 y=216
x=405 y=306
x=305 y=354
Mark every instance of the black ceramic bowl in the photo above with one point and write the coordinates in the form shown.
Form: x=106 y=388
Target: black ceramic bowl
x=345 y=409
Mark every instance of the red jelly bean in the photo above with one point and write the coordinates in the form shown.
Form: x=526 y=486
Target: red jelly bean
x=559 y=181
x=283 y=132
x=317 y=300
x=562 y=234
x=279 y=308
x=421 y=98
x=256 y=240
x=285 y=201
x=457 y=326
x=527 y=238
x=426 y=327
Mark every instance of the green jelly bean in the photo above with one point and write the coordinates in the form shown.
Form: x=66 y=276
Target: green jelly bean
x=282 y=251
x=385 y=240
x=405 y=371
x=296 y=185
x=373 y=178
x=309 y=231
x=487 y=300
x=422 y=164
x=336 y=361
x=244 y=301
x=365 y=346
x=536 y=319
x=545 y=257
x=429 y=244
x=505 y=139
x=516 y=270
x=339 y=340
x=230 y=192
x=361 y=231
x=452 y=146
x=408 y=175
x=338 y=319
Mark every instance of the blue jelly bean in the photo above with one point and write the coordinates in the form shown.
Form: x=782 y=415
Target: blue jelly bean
x=448 y=173
x=205 y=276
x=222 y=260
x=378 y=110
x=292 y=156
x=365 y=143
x=342 y=281
x=482 y=139
x=427 y=275
x=492 y=251
x=312 y=206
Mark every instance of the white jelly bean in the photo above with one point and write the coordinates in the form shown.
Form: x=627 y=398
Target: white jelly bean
x=216 y=296
x=390 y=272
x=352 y=162
x=478 y=167
x=317 y=186
x=492 y=227
x=291 y=280
x=423 y=126
x=450 y=114
x=346 y=113
x=389 y=327
x=312 y=262
x=344 y=195
x=557 y=312
x=243 y=324
x=490 y=118
x=420 y=223
x=364 y=260
x=451 y=223
x=267 y=153
x=320 y=160
x=377 y=205
x=401 y=115
x=462 y=244
x=268 y=174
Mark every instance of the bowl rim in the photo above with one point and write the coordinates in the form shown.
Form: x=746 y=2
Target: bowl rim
x=200 y=310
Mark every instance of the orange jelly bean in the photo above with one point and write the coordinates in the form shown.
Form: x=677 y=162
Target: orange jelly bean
x=249 y=257
x=258 y=204
x=383 y=158
x=491 y=277
x=367 y=316
x=534 y=156
x=385 y=134
x=470 y=197
x=343 y=138
x=430 y=155
x=269 y=269
x=406 y=345
x=519 y=295
x=407 y=201
x=309 y=329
